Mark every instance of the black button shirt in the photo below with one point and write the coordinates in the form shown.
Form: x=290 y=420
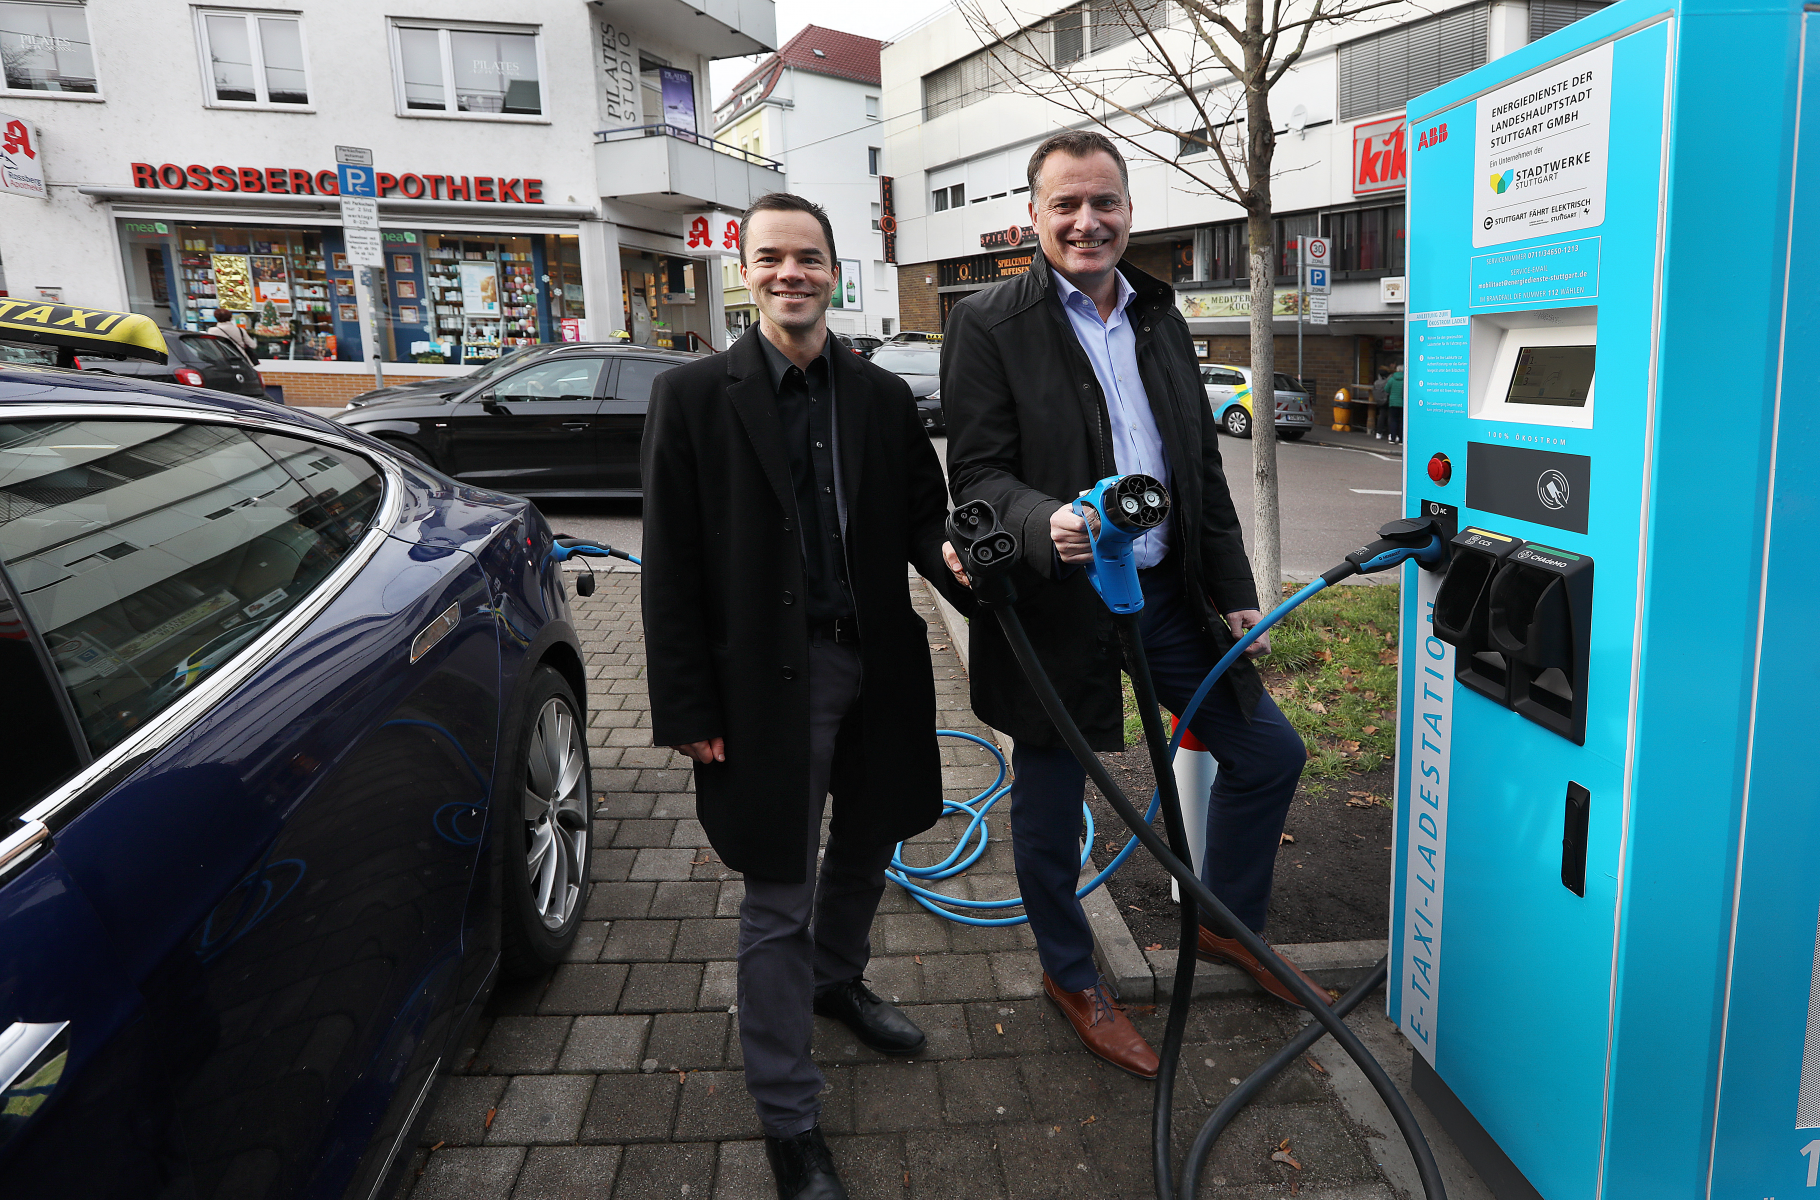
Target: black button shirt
x=805 y=404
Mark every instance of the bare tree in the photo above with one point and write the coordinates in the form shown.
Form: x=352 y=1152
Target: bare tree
x=1191 y=91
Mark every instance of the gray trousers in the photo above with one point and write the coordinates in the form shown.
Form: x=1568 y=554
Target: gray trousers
x=796 y=938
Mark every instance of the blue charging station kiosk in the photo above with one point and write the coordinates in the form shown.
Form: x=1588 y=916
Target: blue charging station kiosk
x=1607 y=889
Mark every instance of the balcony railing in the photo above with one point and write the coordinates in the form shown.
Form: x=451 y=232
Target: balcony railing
x=631 y=132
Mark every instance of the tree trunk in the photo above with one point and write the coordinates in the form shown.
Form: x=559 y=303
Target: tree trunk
x=1266 y=527
x=1260 y=149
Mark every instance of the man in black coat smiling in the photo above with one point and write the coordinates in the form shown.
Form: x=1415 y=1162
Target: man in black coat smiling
x=787 y=482
x=1079 y=369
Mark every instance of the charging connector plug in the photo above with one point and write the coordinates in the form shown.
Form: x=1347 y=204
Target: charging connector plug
x=987 y=551
x=1118 y=510
x=1419 y=538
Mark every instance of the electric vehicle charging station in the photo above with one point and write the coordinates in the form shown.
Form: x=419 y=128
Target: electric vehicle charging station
x=1607 y=881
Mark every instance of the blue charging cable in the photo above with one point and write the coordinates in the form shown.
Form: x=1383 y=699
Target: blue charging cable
x=971 y=845
x=911 y=878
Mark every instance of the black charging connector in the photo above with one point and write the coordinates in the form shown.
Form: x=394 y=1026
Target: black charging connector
x=1539 y=616
x=1462 y=611
x=988 y=551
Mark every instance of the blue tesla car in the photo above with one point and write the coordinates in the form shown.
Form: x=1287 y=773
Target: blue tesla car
x=295 y=768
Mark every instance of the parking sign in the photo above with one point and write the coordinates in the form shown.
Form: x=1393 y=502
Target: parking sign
x=357 y=181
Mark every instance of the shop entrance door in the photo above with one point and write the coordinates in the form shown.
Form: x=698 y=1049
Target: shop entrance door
x=535 y=431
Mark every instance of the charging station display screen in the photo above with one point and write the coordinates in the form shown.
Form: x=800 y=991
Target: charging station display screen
x=1559 y=375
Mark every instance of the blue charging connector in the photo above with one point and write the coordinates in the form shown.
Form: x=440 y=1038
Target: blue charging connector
x=1123 y=509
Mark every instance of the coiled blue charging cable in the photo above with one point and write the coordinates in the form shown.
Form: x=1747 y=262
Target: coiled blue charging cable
x=911 y=878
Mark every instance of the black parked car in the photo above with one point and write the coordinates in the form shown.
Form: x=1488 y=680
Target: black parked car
x=196 y=360
x=919 y=366
x=448 y=385
x=567 y=423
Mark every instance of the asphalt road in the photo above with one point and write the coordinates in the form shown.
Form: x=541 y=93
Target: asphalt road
x=1333 y=499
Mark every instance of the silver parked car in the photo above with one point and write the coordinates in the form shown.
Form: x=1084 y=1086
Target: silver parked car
x=1229 y=393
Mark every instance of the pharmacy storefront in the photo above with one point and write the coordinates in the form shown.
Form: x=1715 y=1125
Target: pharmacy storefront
x=475 y=265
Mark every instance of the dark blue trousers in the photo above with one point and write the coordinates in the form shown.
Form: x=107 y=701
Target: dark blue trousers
x=1260 y=762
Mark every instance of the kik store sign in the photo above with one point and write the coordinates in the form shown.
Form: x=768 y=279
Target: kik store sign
x=1380 y=157
x=296 y=181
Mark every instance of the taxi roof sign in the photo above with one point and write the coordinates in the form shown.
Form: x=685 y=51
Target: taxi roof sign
x=96 y=330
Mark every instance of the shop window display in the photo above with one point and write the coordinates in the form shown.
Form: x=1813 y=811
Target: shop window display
x=438 y=298
x=481 y=294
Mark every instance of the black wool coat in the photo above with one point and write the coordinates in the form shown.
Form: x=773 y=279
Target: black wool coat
x=726 y=642
x=1027 y=432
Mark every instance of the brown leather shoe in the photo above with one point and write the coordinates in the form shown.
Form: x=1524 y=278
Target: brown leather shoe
x=1101 y=1024
x=1214 y=948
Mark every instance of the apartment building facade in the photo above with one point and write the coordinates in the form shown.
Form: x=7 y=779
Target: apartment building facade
x=815 y=106
x=960 y=133
x=541 y=174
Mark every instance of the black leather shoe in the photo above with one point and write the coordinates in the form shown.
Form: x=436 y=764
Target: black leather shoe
x=872 y=1021
x=804 y=1168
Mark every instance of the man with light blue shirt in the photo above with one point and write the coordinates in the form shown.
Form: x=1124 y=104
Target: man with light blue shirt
x=1079 y=369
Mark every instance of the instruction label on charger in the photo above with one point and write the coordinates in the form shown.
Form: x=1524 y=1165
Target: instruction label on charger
x=1541 y=150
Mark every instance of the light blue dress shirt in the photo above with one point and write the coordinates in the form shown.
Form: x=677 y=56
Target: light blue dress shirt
x=1111 y=347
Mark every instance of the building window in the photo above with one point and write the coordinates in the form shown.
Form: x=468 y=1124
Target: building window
x=871 y=160
x=949 y=197
x=45 y=48
x=872 y=108
x=467 y=70
x=875 y=215
x=1368 y=239
x=1386 y=70
x=253 y=58
x=1546 y=16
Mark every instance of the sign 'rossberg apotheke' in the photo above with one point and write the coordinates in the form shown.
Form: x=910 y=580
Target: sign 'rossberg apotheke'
x=296 y=181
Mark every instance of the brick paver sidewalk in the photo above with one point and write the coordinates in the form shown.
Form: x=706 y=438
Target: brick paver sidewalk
x=619 y=1076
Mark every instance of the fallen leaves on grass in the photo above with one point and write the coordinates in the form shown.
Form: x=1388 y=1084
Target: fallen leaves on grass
x=1368 y=729
x=1363 y=800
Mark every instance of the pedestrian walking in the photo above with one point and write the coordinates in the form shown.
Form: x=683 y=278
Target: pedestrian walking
x=1379 y=400
x=225 y=327
x=1078 y=369
x=1393 y=398
x=786 y=483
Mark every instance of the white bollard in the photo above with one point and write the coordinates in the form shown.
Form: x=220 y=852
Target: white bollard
x=1194 y=772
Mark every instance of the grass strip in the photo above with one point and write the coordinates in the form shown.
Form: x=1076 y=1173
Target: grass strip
x=1332 y=669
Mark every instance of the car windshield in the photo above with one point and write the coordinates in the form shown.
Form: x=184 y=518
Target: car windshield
x=909 y=362
x=506 y=361
x=1286 y=384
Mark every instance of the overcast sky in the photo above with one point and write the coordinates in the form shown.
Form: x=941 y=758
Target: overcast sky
x=881 y=21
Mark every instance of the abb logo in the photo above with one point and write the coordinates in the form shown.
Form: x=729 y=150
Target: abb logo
x=1380 y=156
x=1432 y=137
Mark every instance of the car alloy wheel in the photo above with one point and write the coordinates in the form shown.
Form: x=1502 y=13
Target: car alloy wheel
x=556 y=814
x=1238 y=421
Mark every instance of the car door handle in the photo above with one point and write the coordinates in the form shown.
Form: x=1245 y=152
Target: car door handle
x=578 y=426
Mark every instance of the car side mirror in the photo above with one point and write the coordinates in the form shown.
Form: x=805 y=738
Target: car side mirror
x=490 y=405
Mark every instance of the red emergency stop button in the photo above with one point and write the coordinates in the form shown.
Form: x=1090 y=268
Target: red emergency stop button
x=1440 y=468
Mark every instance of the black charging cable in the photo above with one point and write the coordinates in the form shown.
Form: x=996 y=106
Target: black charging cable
x=975 y=525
